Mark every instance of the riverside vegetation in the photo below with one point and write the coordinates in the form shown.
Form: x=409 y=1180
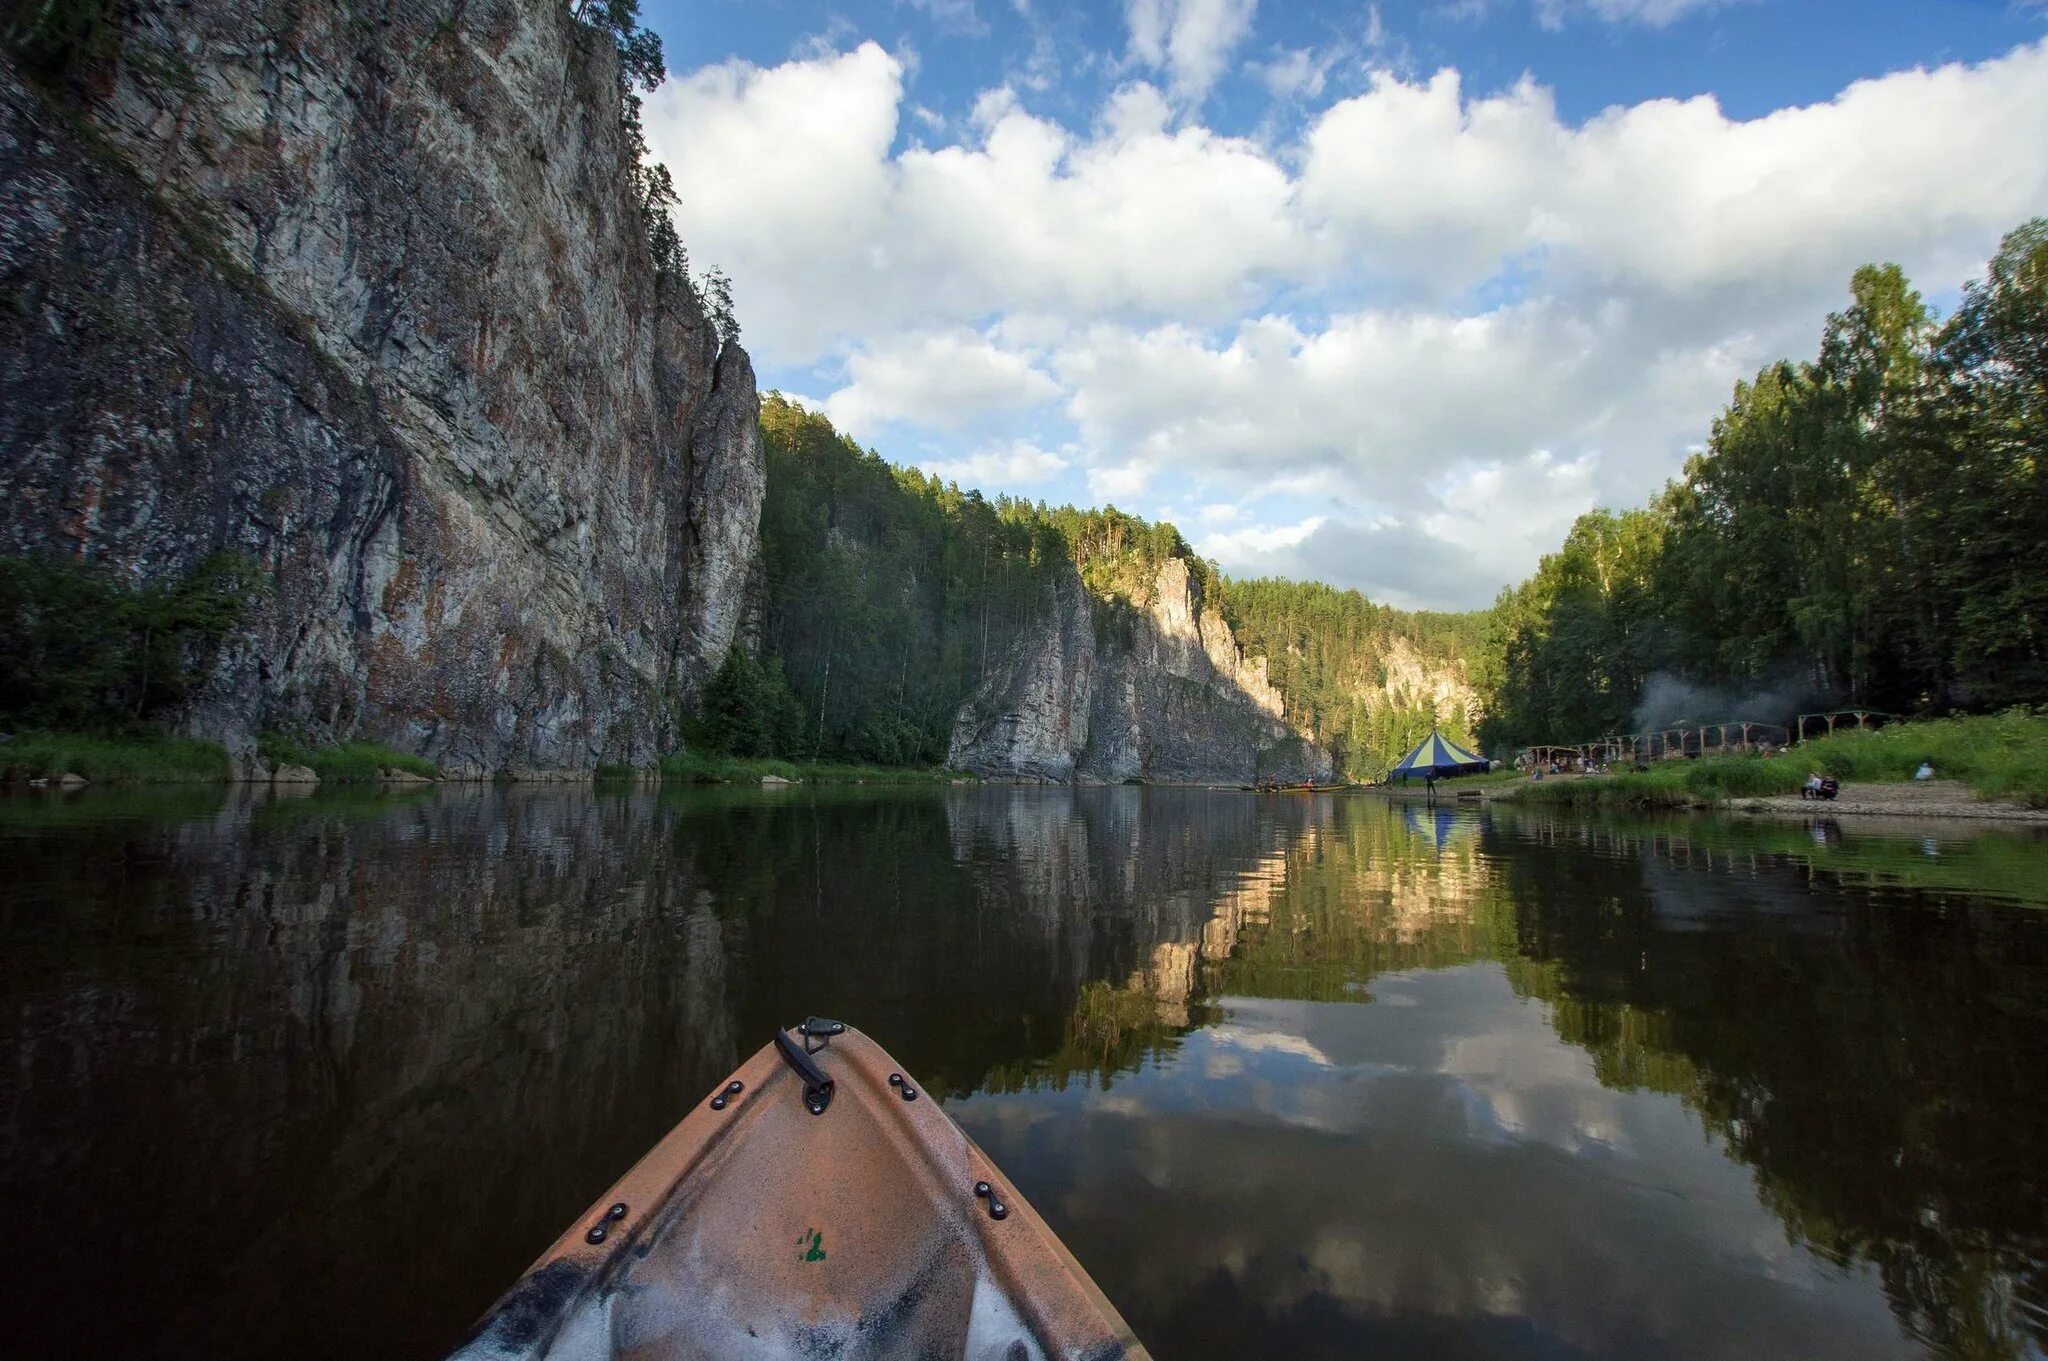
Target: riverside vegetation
x=2002 y=756
x=1865 y=527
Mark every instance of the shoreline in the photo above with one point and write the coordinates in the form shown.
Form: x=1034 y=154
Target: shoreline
x=1934 y=799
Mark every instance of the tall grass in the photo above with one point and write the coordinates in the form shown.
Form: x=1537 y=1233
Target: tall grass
x=113 y=760
x=1657 y=788
x=2003 y=756
x=348 y=763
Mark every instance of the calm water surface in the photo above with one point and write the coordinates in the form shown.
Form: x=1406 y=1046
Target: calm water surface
x=1293 y=1076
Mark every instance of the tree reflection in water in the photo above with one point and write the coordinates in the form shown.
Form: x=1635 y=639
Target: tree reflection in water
x=1877 y=1058
x=323 y=1074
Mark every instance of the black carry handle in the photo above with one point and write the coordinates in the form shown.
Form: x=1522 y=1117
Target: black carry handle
x=817 y=1087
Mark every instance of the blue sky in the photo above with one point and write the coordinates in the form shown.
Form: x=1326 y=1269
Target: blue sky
x=1381 y=294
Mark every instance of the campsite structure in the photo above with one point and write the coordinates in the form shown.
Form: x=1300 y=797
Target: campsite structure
x=1690 y=738
x=1437 y=757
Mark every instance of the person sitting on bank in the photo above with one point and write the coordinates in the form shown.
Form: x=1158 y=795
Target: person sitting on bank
x=1926 y=771
x=1812 y=785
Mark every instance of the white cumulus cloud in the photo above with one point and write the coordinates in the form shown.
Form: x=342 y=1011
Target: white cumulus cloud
x=1427 y=283
x=947 y=379
x=1019 y=463
x=1191 y=40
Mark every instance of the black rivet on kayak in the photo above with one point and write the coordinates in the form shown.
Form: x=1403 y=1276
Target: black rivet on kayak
x=596 y=1234
x=815 y=1107
x=735 y=1087
x=617 y=1211
x=718 y=1102
x=982 y=1188
x=909 y=1092
x=895 y=1079
x=998 y=1210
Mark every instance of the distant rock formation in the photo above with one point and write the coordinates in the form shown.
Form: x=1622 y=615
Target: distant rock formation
x=361 y=292
x=1112 y=690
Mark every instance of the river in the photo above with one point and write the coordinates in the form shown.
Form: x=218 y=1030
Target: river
x=1300 y=1076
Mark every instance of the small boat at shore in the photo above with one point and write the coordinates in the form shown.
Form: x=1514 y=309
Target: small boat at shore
x=816 y=1204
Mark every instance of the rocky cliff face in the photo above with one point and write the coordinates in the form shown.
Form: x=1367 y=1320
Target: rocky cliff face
x=1411 y=681
x=361 y=292
x=1115 y=690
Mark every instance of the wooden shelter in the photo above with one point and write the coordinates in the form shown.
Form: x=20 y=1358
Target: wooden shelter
x=1844 y=718
x=1687 y=739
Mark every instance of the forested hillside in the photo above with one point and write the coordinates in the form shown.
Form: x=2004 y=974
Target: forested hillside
x=888 y=597
x=885 y=593
x=1864 y=527
x=1368 y=681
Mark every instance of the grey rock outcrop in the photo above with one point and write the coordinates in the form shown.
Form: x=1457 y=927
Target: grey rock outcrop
x=1112 y=690
x=361 y=293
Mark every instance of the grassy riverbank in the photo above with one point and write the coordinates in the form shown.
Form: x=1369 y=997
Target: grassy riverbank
x=113 y=760
x=147 y=758
x=692 y=767
x=154 y=759
x=1999 y=756
x=348 y=763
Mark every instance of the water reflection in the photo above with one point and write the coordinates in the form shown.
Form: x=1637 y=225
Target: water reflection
x=1294 y=1075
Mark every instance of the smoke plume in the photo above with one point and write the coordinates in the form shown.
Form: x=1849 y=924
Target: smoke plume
x=1668 y=701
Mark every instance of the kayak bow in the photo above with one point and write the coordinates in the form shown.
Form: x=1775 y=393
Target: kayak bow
x=817 y=1204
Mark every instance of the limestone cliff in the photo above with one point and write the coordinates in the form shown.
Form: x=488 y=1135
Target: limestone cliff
x=1110 y=689
x=361 y=292
x=1411 y=681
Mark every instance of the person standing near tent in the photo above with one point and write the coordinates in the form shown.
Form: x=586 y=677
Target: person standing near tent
x=1429 y=783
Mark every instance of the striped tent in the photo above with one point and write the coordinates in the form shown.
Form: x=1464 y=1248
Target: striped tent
x=1439 y=756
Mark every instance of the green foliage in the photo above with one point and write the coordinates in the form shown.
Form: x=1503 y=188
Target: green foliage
x=718 y=306
x=642 y=67
x=1672 y=784
x=1327 y=651
x=657 y=199
x=1867 y=524
x=749 y=710
x=112 y=760
x=1990 y=505
x=81 y=648
x=60 y=36
x=1569 y=649
x=346 y=763
x=888 y=594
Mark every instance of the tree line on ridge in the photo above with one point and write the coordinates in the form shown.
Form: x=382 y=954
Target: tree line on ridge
x=1864 y=528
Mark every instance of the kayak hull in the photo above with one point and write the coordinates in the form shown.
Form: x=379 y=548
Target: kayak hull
x=759 y=1229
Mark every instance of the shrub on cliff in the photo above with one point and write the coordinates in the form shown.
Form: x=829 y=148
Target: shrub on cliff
x=81 y=648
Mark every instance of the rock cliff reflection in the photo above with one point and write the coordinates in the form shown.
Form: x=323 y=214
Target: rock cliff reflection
x=1294 y=1075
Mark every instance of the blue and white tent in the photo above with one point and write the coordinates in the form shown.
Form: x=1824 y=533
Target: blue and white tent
x=1439 y=756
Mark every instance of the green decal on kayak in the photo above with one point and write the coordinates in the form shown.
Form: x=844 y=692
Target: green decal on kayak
x=812 y=1242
